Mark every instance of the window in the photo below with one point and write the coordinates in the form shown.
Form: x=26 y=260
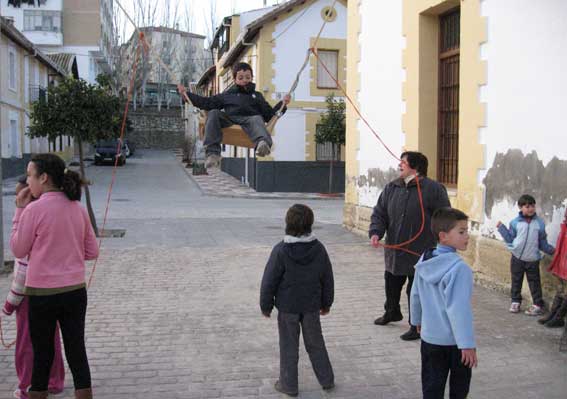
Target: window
x=37 y=20
x=13 y=70
x=330 y=59
x=448 y=114
x=14 y=147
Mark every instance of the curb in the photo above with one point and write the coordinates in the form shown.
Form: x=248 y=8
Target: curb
x=276 y=195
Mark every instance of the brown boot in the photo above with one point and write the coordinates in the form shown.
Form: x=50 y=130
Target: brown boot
x=86 y=393
x=37 y=394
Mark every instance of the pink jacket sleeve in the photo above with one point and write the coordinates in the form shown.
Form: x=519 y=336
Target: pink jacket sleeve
x=91 y=244
x=23 y=233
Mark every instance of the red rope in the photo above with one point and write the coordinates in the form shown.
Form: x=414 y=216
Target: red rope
x=419 y=193
x=118 y=149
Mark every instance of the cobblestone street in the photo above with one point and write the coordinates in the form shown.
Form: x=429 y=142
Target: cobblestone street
x=173 y=310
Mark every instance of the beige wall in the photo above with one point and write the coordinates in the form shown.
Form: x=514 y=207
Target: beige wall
x=81 y=22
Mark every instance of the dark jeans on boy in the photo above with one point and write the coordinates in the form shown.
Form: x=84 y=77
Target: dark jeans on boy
x=253 y=126
x=437 y=362
x=531 y=270
x=69 y=310
x=289 y=330
x=394 y=285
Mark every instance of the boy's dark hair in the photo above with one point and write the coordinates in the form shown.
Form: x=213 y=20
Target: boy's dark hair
x=526 y=199
x=417 y=161
x=241 y=66
x=66 y=180
x=445 y=219
x=299 y=220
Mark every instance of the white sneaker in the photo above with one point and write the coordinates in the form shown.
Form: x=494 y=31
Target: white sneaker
x=534 y=310
x=212 y=161
x=263 y=149
x=515 y=307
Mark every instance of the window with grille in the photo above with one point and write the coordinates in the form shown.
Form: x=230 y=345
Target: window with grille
x=448 y=115
x=329 y=58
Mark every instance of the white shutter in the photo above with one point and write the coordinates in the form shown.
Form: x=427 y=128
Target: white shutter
x=330 y=60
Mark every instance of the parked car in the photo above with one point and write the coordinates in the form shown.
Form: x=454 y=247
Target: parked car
x=105 y=151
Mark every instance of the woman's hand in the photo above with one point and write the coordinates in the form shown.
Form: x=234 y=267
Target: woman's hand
x=287 y=99
x=24 y=197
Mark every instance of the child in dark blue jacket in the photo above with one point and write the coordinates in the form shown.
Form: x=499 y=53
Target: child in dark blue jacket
x=298 y=280
x=525 y=239
x=242 y=105
x=441 y=309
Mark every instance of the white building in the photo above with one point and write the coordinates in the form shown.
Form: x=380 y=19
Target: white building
x=81 y=27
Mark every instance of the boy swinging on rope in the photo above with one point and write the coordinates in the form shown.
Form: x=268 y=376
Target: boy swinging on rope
x=242 y=106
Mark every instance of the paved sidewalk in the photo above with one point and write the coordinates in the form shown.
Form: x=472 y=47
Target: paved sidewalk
x=173 y=311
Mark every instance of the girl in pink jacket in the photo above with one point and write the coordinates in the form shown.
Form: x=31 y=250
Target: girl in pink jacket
x=55 y=233
x=17 y=301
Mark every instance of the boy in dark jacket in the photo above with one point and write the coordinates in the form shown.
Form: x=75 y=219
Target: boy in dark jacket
x=298 y=279
x=243 y=106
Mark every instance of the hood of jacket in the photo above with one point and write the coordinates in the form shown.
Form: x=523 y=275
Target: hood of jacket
x=248 y=89
x=301 y=250
x=434 y=267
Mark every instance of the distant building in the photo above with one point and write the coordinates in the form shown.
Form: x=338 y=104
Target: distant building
x=80 y=27
x=182 y=52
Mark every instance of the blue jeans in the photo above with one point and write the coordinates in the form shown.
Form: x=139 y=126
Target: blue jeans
x=436 y=363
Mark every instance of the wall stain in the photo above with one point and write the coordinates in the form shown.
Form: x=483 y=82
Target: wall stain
x=513 y=174
x=377 y=178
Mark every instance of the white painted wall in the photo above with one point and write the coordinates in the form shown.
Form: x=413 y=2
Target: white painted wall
x=380 y=96
x=290 y=48
x=289 y=140
x=526 y=87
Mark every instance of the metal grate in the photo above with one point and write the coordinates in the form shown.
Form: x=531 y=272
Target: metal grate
x=325 y=152
x=448 y=118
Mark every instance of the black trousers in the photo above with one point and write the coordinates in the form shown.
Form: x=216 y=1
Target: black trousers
x=394 y=285
x=436 y=363
x=531 y=269
x=289 y=325
x=253 y=126
x=69 y=309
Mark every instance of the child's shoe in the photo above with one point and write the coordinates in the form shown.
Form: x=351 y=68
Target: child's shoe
x=515 y=307
x=278 y=387
x=18 y=394
x=534 y=310
x=263 y=149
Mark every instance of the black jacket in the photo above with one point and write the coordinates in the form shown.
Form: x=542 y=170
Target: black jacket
x=298 y=279
x=398 y=215
x=238 y=101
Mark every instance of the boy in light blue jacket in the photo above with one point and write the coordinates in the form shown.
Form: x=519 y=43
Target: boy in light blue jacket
x=441 y=309
x=525 y=239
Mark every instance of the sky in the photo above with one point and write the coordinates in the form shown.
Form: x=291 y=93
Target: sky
x=199 y=10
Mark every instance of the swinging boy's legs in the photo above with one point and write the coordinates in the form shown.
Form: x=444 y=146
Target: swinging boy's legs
x=255 y=128
x=216 y=121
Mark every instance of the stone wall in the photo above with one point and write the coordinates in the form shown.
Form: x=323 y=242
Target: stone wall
x=151 y=128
